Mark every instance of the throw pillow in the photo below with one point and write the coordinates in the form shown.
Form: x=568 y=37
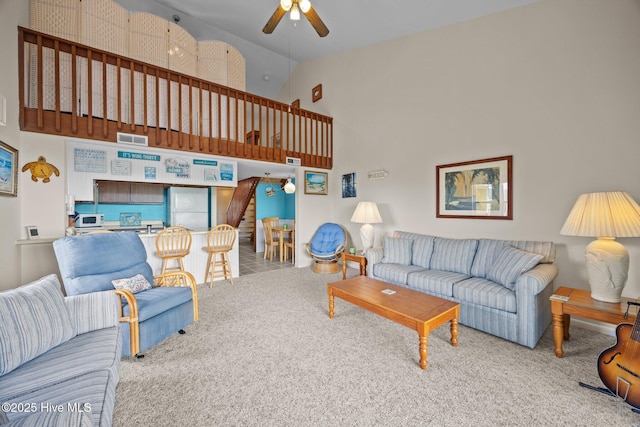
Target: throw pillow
x=135 y=284
x=510 y=264
x=33 y=319
x=397 y=251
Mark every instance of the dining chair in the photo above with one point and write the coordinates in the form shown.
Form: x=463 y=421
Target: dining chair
x=220 y=240
x=173 y=244
x=270 y=243
x=290 y=245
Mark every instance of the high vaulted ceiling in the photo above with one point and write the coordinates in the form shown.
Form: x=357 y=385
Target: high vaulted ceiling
x=270 y=58
x=352 y=24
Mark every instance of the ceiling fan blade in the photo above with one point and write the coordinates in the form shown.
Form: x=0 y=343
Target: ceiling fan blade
x=274 y=20
x=316 y=22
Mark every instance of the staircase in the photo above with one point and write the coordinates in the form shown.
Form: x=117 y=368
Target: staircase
x=242 y=196
x=247 y=227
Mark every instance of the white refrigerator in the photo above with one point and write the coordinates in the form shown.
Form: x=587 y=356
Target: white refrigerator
x=188 y=207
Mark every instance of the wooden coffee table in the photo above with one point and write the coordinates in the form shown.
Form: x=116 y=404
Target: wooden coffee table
x=413 y=309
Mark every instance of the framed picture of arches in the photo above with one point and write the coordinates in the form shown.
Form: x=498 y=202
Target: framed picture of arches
x=479 y=189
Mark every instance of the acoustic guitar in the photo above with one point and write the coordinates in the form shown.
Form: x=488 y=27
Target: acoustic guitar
x=619 y=366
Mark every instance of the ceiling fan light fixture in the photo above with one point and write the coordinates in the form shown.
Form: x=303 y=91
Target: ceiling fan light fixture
x=305 y=5
x=286 y=4
x=295 y=12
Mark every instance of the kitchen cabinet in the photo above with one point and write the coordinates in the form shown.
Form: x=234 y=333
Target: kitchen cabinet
x=143 y=192
x=130 y=192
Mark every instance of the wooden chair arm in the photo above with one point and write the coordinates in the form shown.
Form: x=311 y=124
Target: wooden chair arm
x=132 y=319
x=181 y=278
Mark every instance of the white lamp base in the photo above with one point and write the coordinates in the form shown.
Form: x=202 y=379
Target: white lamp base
x=367 y=234
x=608 y=268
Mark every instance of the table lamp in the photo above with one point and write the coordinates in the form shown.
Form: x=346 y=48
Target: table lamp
x=366 y=213
x=605 y=216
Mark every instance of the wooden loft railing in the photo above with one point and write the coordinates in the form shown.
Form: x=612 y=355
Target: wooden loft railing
x=61 y=94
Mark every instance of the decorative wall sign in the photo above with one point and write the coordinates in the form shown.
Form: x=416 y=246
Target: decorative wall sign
x=179 y=167
x=120 y=167
x=8 y=170
x=88 y=160
x=479 y=189
x=40 y=169
x=379 y=174
x=316 y=93
x=349 y=185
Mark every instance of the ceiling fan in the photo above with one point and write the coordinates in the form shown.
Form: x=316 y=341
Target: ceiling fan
x=295 y=6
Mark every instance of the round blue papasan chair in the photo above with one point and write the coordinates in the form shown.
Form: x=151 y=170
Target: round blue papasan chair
x=326 y=247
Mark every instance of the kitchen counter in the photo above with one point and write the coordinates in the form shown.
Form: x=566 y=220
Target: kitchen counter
x=195 y=263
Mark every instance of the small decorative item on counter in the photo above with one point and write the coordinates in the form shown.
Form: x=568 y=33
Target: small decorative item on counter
x=352 y=251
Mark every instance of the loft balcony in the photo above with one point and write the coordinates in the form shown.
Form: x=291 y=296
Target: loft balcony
x=74 y=90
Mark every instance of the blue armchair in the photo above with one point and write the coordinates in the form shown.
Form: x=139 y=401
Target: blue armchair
x=326 y=247
x=89 y=263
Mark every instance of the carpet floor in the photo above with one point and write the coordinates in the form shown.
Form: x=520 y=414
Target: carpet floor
x=265 y=353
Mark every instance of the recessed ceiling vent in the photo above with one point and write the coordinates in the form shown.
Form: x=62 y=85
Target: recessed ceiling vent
x=130 y=139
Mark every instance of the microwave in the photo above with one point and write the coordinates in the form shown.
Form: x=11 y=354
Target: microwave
x=89 y=220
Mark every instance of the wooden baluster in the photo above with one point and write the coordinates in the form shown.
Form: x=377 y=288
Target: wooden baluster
x=145 y=124
x=40 y=116
x=180 y=131
x=89 y=93
x=105 y=118
x=21 y=98
x=158 y=133
x=119 y=95
x=56 y=55
x=200 y=132
x=169 y=133
x=132 y=104
x=74 y=91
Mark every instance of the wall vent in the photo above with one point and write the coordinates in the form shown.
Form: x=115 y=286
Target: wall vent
x=293 y=161
x=130 y=139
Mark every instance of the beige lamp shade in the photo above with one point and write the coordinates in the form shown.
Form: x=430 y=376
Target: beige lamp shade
x=612 y=214
x=366 y=213
x=605 y=216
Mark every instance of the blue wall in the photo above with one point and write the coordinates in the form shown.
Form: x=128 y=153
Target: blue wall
x=112 y=211
x=281 y=204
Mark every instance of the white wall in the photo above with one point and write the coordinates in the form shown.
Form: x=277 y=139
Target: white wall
x=12 y=14
x=555 y=84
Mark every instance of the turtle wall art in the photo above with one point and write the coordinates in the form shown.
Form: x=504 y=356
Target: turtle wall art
x=40 y=169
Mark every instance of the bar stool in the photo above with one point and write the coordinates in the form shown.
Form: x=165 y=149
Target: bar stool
x=220 y=240
x=173 y=244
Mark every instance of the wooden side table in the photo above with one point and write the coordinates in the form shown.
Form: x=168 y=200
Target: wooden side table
x=581 y=304
x=359 y=258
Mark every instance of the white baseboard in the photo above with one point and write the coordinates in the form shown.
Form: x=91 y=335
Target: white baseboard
x=592 y=325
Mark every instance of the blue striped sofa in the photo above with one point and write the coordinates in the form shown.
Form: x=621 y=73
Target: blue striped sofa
x=59 y=356
x=503 y=286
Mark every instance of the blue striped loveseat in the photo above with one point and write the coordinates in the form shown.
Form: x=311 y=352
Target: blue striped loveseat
x=59 y=356
x=503 y=286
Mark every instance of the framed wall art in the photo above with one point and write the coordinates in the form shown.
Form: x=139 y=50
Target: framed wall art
x=315 y=183
x=479 y=189
x=8 y=170
x=349 y=185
